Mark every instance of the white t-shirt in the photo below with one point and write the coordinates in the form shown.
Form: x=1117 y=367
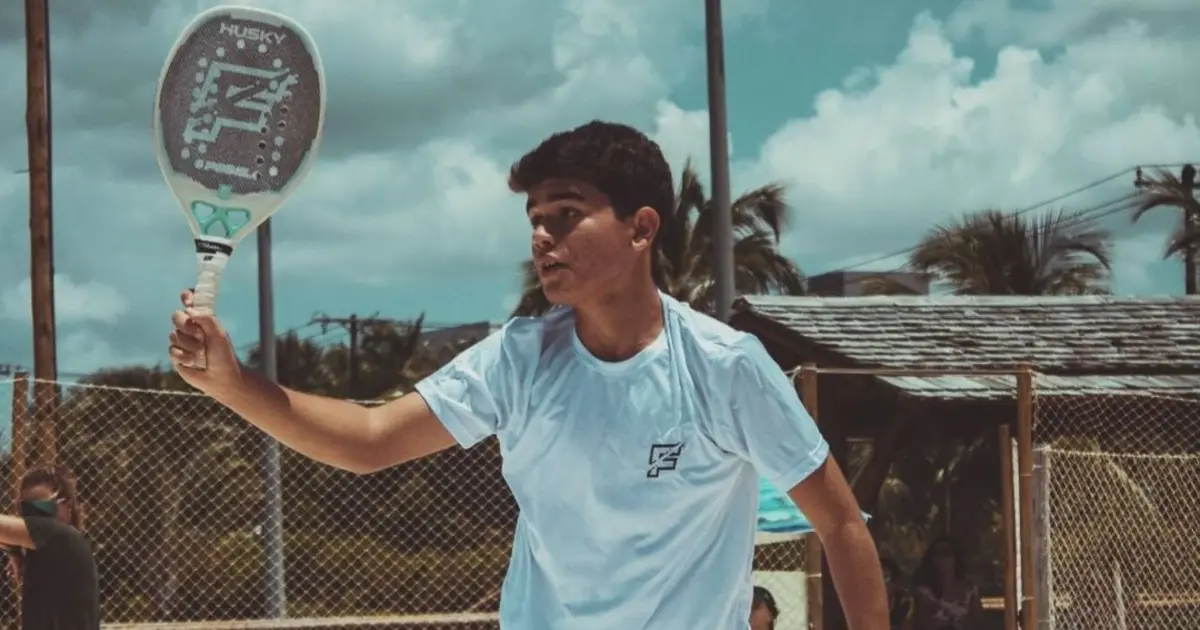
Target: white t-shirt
x=637 y=481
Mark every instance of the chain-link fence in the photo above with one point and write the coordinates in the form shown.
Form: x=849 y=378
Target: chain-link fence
x=921 y=448
x=174 y=491
x=1117 y=492
x=175 y=497
x=780 y=568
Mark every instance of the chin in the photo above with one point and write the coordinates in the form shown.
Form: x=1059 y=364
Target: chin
x=559 y=296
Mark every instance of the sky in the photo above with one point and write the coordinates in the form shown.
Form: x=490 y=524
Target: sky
x=883 y=119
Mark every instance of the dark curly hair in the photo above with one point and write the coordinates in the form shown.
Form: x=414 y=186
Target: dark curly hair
x=620 y=161
x=763 y=597
x=63 y=482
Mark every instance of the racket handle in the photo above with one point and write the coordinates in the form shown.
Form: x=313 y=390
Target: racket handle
x=211 y=258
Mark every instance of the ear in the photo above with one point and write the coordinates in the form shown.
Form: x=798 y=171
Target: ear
x=645 y=223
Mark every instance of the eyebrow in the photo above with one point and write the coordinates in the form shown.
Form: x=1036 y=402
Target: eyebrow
x=566 y=195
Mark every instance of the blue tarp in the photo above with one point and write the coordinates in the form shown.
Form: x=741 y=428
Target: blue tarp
x=777 y=514
x=778 y=517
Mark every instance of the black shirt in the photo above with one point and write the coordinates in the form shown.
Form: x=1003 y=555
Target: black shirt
x=59 y=589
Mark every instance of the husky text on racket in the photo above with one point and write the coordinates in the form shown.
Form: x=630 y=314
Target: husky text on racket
x=633 y=428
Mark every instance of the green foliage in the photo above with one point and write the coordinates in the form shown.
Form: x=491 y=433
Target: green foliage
x=997 y=253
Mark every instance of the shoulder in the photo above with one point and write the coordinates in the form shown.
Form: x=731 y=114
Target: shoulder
x=516 y=345
x=44 y=530
x=529 y=336
x=724 y=348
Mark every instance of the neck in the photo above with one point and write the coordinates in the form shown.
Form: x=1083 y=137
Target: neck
x=618 y=325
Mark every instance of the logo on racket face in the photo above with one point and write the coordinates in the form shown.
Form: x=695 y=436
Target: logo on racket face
x=240 y=106
x=663 y=457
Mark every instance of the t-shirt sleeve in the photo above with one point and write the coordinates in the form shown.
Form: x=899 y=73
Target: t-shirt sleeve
x=474 y=394
x=767 y=425
x=43 y=530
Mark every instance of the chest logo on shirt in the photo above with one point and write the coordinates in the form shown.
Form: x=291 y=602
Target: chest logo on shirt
x=663 y=457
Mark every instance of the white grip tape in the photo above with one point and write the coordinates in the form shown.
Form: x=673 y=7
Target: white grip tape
x=208 y=281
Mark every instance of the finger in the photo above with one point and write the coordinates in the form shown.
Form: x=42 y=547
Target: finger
x=185 y=342
x=180 y=320
x=209 y=325
x=181 y=358
x=188 y=298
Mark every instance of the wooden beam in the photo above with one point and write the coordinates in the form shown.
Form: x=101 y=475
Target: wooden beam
x=813 y=553
x=41 y=228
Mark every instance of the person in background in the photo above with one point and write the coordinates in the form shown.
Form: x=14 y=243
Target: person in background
x=763 y=611
x=49 y=557
x=945 y=598
x=900 y=604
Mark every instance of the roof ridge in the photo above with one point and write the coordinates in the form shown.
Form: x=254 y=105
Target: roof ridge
x=957 y=301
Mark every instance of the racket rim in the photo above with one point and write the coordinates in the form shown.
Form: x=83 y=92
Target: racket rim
x=246 y=13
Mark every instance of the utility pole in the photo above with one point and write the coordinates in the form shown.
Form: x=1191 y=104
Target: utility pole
x=353 y=325
x=276 y=585
x=41 y=225
x=1187 y=178
x=722 y=239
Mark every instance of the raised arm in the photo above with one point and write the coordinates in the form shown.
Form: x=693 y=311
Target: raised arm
x=337 y=432
x=14 y=532
x=463 y=402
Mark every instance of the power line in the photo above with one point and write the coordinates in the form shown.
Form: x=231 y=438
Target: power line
x=1027 y=209
x=293 y=330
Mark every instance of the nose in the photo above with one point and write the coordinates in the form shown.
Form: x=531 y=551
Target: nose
x=542 y=241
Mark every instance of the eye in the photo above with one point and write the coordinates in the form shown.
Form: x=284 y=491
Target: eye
x=568 y=212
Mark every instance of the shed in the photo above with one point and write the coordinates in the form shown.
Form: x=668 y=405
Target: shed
x=1079 y=345
x=958 y=350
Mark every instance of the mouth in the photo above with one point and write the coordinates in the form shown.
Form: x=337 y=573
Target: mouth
x=549 y=266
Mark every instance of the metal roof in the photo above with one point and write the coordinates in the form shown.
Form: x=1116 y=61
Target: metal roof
x=1056 y=334
x=1000 y=387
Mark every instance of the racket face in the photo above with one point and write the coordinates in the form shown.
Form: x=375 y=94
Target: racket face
x=238 y=118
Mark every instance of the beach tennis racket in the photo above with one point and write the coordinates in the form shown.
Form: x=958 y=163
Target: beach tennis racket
x=238 y=118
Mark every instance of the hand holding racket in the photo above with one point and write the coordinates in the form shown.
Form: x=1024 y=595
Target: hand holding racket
x=194 y=335
x=238 y=119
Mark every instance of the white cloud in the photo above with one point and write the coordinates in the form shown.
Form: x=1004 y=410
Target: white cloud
x=921 y=140
x=683 y=135
x=1061 y=21
x=430 y=101
x=74 y=302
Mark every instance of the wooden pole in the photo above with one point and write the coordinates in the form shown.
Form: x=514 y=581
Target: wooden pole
x=1010 y=528
x=41 y=227
x=20 y=451
x=1188 y=178
x=813 y=554
x=1025 y=468
x=20 y=430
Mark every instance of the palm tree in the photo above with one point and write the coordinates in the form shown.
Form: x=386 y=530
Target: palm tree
x=685 y=245
x=1167 y=190
x=998 y=253
x=301 y=363
x=393 y=357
